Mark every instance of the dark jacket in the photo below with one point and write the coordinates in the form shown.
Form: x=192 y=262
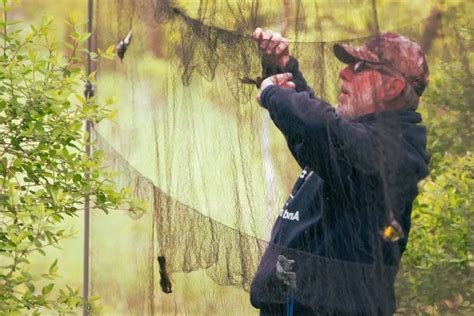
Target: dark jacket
x=357 y=175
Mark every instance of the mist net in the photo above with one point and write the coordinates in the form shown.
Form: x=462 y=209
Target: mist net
x=190 y=140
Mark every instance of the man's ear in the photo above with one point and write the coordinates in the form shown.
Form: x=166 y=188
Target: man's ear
x=393 y=87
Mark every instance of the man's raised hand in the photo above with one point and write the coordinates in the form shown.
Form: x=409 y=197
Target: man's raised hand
x=273 y=46
x=281 y=80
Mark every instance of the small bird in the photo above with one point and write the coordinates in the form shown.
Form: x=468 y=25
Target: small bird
x=165 y=281
x=393 y=231
x=122 y=46
x=257 y=81
x=89 y=90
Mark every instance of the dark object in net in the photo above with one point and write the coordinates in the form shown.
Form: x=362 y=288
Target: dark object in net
x=89 y=90
x=257 y=81
x=122 y=46
x=165 y=281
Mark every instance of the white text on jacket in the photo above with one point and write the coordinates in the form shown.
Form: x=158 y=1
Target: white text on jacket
x=292 y=216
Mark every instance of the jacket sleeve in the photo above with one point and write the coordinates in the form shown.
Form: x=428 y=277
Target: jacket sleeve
x=293 y=67
x=319 y=138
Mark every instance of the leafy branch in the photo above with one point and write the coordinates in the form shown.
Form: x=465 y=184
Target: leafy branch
x=43 y=162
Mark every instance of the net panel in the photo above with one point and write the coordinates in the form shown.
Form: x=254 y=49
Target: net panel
x=190 y=140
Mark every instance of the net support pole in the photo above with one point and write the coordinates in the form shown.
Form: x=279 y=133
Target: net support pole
x=88 y=93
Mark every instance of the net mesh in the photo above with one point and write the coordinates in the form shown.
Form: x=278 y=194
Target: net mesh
x=190 y=140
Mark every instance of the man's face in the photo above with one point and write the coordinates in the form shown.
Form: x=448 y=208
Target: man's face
x=361 y=92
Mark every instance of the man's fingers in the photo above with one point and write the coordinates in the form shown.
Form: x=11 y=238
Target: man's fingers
x=273 y=46
x=283 y=80
x=288 y=85
x=275 y=41
x=282 y=47
x=279 y=79
x=265 y=40
x=283 y=60
x=257 y=33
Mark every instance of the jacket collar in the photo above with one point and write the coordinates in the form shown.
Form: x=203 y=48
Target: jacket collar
x=401 y=116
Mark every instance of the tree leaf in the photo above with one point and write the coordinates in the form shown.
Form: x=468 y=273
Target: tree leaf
x=47 y=289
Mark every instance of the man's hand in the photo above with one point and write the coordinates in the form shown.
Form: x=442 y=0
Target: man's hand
x=281 y=80
x=273 y=46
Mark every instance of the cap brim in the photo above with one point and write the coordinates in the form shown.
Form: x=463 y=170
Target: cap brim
x=350 y=55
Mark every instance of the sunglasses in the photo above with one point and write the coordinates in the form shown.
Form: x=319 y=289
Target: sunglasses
x=363 y=65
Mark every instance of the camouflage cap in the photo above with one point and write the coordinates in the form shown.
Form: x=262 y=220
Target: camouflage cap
x=394 y=50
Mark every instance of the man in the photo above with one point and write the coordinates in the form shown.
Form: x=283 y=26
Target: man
x=344 y=227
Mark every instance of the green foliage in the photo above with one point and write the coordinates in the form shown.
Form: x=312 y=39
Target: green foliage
x=45 y=171
x=439 y=260
x=449 y=101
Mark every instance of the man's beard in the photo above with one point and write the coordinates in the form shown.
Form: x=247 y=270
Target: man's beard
x=345 y=112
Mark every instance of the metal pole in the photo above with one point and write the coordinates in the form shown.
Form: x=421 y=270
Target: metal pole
x=88 y=93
